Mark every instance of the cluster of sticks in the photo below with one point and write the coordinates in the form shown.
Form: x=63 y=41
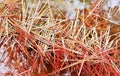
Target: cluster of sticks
x=37 y=42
